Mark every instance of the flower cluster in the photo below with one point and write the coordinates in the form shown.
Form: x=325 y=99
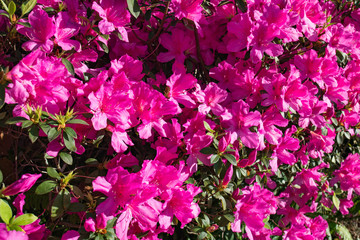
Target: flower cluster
x=221 y=119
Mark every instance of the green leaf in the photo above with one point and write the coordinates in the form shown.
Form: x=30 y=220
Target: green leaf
x=2 y=96
x=91 y=161
x=12 y=8
x=61 y=203
x=53 y=133
x=231 y=158
x=26 y=124
x=53 y=173
x=24 y=219
x=70 y=132
x=25 y=24
x=34 y=133
x=324 y=131
x=15 y=120
x=214 y=159
x=68 y=66
x=207 y=127
x=133 y=8
x=5 y=211
x=4 y=6
x=208 y=150
x=45 y=187
x=69 y=142
x=77 y=121
x=4 y=14
x=45 y=127
x=336 y=201
x=77 y=207
x=1 y=176
x=103 y=46
x=343 y=232
x=67 y=158
x=340 y=138
x=27 y=7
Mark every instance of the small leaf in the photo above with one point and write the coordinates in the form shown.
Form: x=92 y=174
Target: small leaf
x=208 y=150
x=324 y=131
x=5 y=211
x=24 y=219
x=53 y=173
x=15 y=120
x=70 y=132
x=53 y=133
x=33 y=133
x=2 y=96
x=68 y=66
x=45 y=127
x=25 y=24
x=12 y=8
x=134 y=8
x=27 y=7
x=1 y=176
x=77 y=207
x=4 y=6
x=69 y=142
x=103 y=46
x=343 y=232
x=67 y=158
x=214 y=159
x=45 y=187
x=336 y=201
x=26 y=124
x=61 y=203
x=207 y=127
x=231 y=158
x=91 y=161
x=77 y=121
x=340 y=138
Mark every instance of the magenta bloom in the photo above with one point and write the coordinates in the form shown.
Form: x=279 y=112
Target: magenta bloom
x=179 y=44
x=190 y=9
x=91 y=226
x=252 y=208
x=22 y=185
x=42 y=29
x=114 y=16
x=240 y=123
x=65 y=29
x=11 y=235
x=211 y=99
x=71 y=235
x=349 y=174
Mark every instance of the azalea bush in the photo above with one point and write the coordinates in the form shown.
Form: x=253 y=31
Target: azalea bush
x=180 y=119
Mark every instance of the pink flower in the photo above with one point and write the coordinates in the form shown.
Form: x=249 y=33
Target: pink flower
x=281 y=152
x=71 y=235
x=212 y=97
x=42 y=29
x=252 y=208
x=11 y=235
x=65 y=29
x=349 y=174
x=101 y=220
x=179 y=44
x=240 y=122
x=22 y=185
x=190 y=9
x=114 y=16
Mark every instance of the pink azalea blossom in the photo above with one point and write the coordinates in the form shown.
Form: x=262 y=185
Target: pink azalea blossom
x=22 y=185
x=42 y=29
x=240 y=122
x=114 y=16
